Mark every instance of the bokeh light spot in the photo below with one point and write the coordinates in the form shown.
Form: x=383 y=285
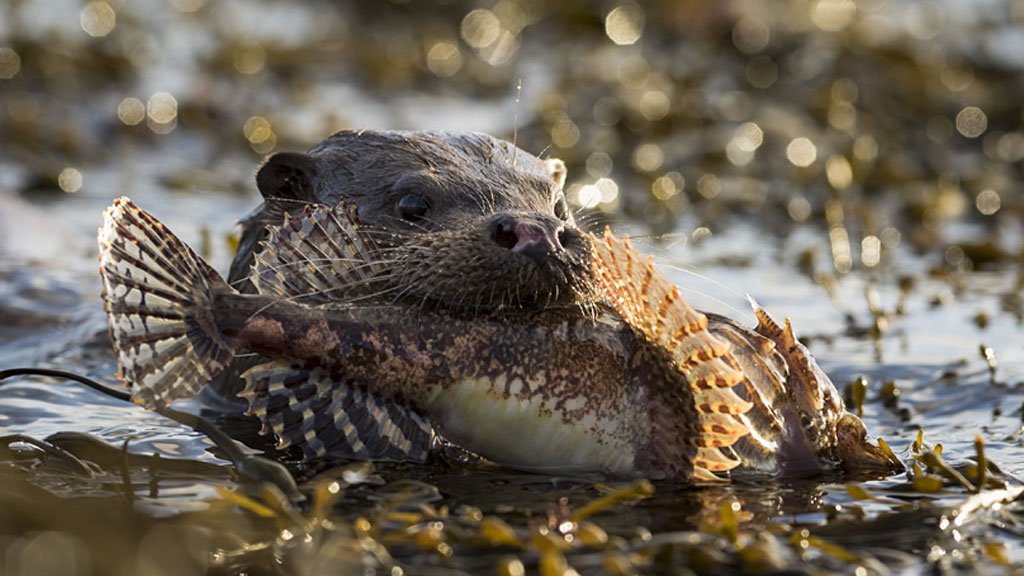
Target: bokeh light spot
x=502 y=50
x=98 y=19
x=608 y=188
x=248 y=58
x=750 y=35
x=162 y=108
x=871 y=251
x=654 y=105
x=588 y=196
x=70 y=180
x=565 y=133
x=988 y=202
x=971 y=122
x=736 y=155
x=1011 y=147
x=256 y=129
x=833 y=15
x=10 y=63
x=801 y=152
x=667 y=186
x=842 y=259
x=799 y=208
x=444 y=59
x=131 y=111
x=709 y=186
x=890 y=237
x=260 y=134
x=748 y=137
x=865 y=148
x=625 y=24
x=648 y=157
x=839 y=172
x=162 y=111
x=842 y=115
x=480 y=28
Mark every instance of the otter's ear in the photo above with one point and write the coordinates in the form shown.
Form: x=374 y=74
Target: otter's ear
x=556 y=170
x=287 y=175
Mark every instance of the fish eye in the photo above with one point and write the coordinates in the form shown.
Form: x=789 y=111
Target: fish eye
x=561 y=208
x=411 y=208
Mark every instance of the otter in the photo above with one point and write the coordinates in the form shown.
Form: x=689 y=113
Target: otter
x=478 y=225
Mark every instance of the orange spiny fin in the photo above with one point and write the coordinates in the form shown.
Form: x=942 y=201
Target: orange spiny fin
x=704 y=476
x=656 y=311
x=766 y=326
x=697 y=351
x=699 y=323
x=788 y=338
x=720 y=401
x=710 y=374
x=722 y=426
x=714 y=460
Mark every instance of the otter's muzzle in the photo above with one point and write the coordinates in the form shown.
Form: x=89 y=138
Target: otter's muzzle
x=527 y=235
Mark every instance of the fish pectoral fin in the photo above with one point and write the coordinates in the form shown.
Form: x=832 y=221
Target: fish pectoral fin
x=159 y=297
x=325 y=416
x=319 y=255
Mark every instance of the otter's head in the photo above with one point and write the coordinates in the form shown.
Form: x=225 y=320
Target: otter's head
x=464 y=220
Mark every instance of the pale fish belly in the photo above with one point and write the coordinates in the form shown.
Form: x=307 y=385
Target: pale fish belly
x=523 y=429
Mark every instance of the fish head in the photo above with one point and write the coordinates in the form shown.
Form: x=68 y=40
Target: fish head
x=856 y=452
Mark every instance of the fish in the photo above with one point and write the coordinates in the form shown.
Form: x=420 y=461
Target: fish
x=646 y=386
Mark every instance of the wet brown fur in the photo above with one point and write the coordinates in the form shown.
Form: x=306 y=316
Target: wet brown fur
x=447 y=258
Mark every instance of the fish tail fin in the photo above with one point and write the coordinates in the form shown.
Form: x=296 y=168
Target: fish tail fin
x=654 y=308
x=158 y=295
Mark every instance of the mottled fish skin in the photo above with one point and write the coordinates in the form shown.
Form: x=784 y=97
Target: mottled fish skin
x=645 y=386
x=554 y=394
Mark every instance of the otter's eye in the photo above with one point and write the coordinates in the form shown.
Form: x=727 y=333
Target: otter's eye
x=561 y=208
x=411 y=208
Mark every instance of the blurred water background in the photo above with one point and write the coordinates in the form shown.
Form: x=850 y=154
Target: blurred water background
x=855 y=166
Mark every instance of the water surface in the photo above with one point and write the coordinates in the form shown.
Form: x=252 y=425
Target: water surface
x=853 y=167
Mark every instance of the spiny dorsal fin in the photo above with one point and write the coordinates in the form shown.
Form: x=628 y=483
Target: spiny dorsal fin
x=766 y=325
x=325 y=416
x=805 y=381
x=656 y=311
x=807 y=386
x=320 y=255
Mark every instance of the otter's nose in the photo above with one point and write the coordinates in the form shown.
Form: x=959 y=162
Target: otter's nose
x=527 y=236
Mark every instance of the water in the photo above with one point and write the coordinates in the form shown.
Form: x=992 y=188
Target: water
x=886 y=251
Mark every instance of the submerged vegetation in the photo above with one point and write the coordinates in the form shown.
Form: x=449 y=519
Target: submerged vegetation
x=355 y=521
x=854 y=165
